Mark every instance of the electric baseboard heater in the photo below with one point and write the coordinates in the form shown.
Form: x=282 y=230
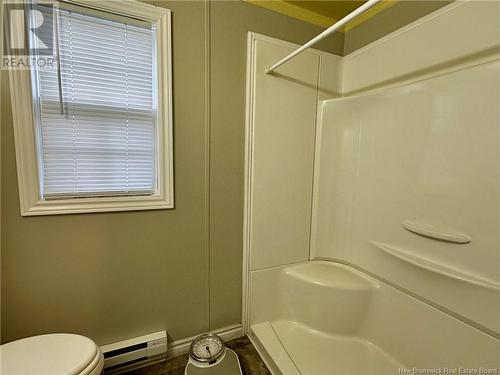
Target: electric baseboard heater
x=134 y=353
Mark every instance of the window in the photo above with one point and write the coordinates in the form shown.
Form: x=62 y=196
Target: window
x=101 y=119
x=96 y=109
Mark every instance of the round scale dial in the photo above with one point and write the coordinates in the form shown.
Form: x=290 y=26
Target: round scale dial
x=206 y=348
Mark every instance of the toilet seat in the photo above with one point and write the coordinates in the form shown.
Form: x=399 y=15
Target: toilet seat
x=53 y=354
x=96 y=366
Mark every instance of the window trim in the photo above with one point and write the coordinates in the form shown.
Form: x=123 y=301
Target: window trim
x=31 y=203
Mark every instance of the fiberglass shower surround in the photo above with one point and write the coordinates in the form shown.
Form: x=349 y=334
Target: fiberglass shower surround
x=373 y=212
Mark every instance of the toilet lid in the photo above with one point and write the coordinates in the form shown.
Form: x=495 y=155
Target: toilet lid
x=54 y=354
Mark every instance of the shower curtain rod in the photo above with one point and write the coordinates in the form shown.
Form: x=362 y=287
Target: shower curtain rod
x=363 y=8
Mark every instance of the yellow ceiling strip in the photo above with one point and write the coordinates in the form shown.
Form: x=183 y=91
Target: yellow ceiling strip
x=295 y=11
x=302 y=13
x=369 y=14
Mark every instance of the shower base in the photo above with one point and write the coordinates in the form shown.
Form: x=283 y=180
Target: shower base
x=326 y=318
x=308 y=351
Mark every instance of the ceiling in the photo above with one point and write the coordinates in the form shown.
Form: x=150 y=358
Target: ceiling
x=322 y=13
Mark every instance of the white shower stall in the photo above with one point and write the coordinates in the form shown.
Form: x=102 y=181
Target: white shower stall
x=372 y=226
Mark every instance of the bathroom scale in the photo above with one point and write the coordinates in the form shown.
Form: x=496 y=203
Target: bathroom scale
x=209 y=356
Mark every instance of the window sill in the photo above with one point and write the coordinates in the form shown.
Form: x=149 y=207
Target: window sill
x=91 y=205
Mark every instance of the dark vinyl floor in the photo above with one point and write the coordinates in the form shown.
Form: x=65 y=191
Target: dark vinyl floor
x=251 y=363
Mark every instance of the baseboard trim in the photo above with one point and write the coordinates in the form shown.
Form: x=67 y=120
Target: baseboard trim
x=180 y=347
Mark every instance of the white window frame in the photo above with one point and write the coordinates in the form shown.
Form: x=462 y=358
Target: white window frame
x=31 y=202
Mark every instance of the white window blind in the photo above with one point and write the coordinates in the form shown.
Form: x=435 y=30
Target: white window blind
x=97 y=109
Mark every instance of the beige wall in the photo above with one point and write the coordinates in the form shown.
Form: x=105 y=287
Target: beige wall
x=113 y=276
x=116 y=275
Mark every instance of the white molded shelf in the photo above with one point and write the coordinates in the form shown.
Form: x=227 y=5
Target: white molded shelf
x=438 y=268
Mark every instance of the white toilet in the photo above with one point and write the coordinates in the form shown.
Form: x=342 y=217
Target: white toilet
x=53 y=354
